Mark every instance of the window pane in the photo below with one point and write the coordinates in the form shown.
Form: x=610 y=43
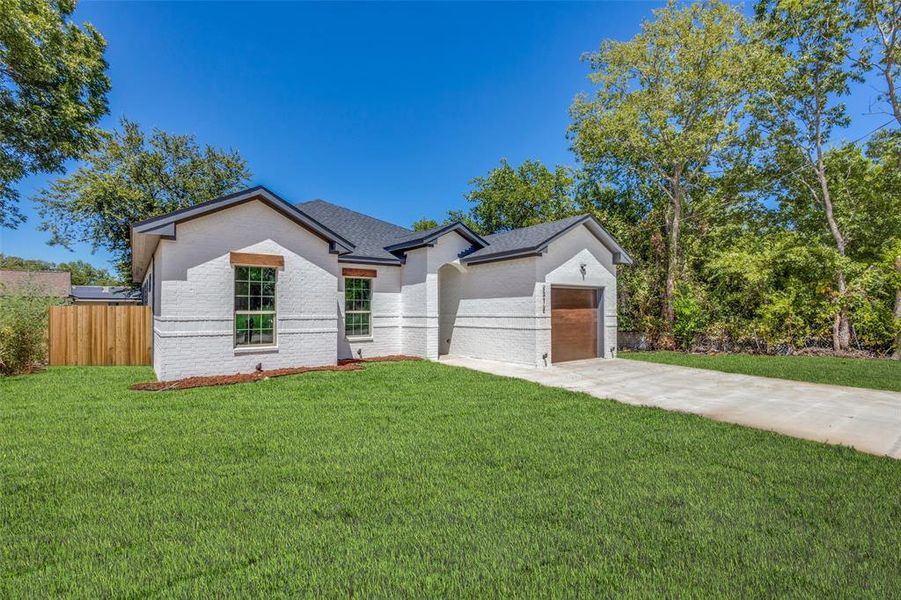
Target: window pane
x=357 y=306
x=254 y=292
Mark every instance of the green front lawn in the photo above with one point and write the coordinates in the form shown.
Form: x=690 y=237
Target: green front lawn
x=881 y=374
x=418 y=479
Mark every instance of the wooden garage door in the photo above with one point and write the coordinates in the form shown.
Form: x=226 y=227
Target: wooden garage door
x=574 y=324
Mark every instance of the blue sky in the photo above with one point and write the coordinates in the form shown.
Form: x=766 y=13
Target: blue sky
x=389 y=109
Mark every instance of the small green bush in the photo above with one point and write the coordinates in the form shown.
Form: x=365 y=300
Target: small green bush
x=689 y=315
x=23 y=332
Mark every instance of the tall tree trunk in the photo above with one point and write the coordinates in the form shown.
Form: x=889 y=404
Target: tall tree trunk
x=672 y=266
x=841 y=328
x=897 y=354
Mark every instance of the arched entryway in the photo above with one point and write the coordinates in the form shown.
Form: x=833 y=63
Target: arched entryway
x=448 y=303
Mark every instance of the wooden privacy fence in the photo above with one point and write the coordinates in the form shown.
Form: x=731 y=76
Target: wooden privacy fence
x=100 y=335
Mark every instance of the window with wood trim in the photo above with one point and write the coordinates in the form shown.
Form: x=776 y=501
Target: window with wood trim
x=254 y=306
x=357 y=307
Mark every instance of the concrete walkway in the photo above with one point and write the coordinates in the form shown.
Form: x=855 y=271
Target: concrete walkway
x=868 y=420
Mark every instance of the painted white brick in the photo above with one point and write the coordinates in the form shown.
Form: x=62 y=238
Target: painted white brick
x=429 y=306
x=193 y=331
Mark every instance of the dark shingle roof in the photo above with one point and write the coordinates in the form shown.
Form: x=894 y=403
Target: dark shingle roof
x=109 y=294
x=369 y=235
x=524 y=239
x=381 y=242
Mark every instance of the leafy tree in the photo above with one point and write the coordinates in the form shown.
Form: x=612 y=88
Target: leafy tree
x=509 y=198
x=83 y=273
x=130 y=177
x=17 y=263
x=882 y=22
x=669 y=104
x=424 y=224
x=466 y=217
x=815 y=40
x=53 y=88
x=882 y=19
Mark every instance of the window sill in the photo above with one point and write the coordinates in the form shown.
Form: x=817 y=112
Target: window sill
x=360 y=338
x=256 y=349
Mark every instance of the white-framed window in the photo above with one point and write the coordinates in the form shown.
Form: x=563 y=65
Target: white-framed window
x=254 y=306
x=357 y=307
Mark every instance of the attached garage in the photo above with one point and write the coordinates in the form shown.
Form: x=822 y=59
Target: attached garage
x=574 y=323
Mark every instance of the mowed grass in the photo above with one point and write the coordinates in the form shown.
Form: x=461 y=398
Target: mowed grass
x=418 y=479
x=877 y=374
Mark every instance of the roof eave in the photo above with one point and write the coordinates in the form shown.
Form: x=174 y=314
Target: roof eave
x=371 y=260
x=508 y=255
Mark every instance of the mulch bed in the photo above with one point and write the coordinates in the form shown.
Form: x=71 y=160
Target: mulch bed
x=347 y=364
x=388 y=358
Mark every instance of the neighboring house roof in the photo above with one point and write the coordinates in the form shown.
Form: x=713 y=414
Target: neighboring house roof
x=102 y=293
x=356 y=237
x=530 y=241
x=35 y=283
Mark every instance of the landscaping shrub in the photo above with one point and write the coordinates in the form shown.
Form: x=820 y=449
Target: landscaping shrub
x=23 y=332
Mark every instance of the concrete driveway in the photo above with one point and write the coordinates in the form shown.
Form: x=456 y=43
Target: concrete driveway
x=868 y=420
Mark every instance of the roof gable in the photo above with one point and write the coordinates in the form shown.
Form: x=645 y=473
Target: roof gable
x=418 y=239
x=146 y=233
x=164 y=225
x=534 y=240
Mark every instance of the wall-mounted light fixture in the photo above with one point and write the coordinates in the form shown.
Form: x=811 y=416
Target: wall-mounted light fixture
x=583 y=269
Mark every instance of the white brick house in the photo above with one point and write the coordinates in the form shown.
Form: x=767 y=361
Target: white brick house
x=249 y=279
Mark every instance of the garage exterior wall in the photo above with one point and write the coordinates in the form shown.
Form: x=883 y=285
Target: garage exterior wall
x=502 y=310
x=193 y=332
x=561 y=266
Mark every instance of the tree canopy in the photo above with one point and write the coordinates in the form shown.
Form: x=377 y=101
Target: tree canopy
x=83 y=273
x=707 y=148
x=669 y=104
x=134 y=176
x=53 y=91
